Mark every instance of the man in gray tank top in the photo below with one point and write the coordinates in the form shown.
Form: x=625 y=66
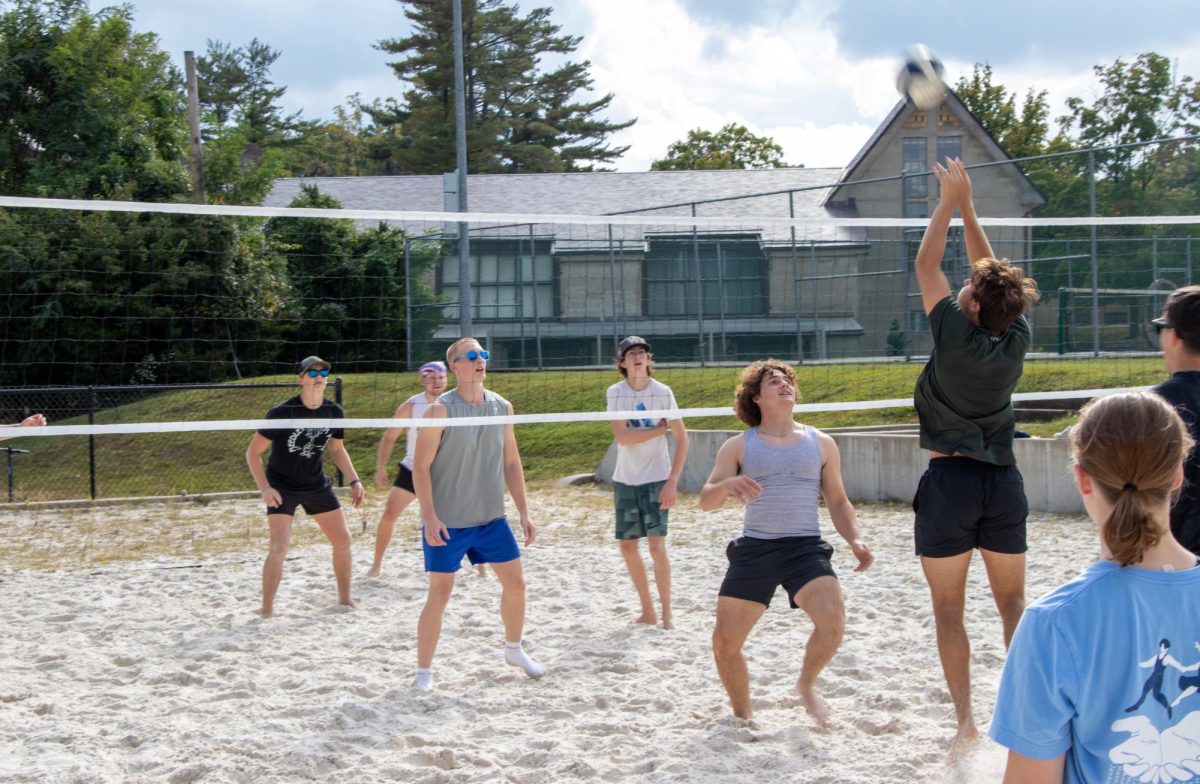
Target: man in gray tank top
x=972 y=495
x=778 y=469
x=460 y=474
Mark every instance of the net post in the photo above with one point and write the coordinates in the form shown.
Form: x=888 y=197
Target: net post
x=10 y=473
x=812 y=265
x=1062 y=320
x=408 y=327
x=699 y=290
x=612 y=286
x=1095 y=264
x=537 y=317
x=91 y=403
x=795 y=277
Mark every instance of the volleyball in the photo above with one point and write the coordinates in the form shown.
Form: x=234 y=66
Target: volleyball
x=922 y=77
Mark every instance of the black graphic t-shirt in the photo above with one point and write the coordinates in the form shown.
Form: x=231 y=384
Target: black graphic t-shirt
x=295 y=462
x=1182 y=391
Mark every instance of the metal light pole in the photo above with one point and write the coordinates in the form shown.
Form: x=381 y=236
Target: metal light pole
x=460 y=142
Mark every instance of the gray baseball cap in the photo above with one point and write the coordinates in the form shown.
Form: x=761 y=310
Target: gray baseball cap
x=311 y=362
x=630 y=342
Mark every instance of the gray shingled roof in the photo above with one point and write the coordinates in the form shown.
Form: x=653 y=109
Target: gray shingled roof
x=602 y=193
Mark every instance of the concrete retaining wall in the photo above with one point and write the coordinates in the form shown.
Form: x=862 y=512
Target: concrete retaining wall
x=887 y=466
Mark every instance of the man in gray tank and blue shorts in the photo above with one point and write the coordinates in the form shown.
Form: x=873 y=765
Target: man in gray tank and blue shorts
x=460 y=474
x=779 y=469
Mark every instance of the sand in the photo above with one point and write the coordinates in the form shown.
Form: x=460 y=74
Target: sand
x=138 y=657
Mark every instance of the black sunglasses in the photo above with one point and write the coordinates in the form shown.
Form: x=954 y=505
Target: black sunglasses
x=1159 y=326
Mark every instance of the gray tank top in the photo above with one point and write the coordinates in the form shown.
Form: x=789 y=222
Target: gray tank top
x=468 y=469
x=791 y=485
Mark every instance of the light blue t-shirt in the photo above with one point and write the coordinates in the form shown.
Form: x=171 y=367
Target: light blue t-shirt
x=1107 y=669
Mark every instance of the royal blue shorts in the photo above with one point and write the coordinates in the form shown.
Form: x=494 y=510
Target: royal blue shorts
x=491 y=542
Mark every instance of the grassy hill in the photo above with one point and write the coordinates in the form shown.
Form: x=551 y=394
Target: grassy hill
x=163 y=464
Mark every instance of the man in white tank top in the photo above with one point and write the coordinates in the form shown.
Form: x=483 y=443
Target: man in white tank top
x=433 y=379
x=777 y=469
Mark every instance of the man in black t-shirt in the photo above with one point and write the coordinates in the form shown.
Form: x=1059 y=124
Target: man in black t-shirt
x=971 y=495
x=294 y=477
x=1179 y=335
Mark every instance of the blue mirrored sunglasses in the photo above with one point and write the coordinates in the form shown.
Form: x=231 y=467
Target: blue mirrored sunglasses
x=473 y=355
x=323 y=373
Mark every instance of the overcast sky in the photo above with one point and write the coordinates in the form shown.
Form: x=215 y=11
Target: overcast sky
x=816 y=75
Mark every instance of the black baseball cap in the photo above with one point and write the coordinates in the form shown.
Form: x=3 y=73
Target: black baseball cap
x=311 y=362
x=628 y=343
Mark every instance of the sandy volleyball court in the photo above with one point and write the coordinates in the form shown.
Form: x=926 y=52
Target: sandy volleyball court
x=130 y=652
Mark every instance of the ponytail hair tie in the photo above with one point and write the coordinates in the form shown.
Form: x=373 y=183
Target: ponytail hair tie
x=1130 y=487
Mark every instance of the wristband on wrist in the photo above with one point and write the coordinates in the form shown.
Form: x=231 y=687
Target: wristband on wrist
x=356 y=481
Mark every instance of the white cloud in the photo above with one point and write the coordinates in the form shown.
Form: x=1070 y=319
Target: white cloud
x=675 y=73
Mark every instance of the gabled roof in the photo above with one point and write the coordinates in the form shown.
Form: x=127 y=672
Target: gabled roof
x=603 y=193
x=971 y=122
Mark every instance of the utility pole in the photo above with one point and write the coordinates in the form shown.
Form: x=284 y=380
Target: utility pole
x=193 y=115
x=460 y=142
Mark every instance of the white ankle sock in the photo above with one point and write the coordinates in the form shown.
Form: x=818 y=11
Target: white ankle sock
x=424 y=679
x=515 y=655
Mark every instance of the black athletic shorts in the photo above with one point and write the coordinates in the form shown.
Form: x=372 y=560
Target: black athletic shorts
x=962 y=504
x=314 y=502
x=404 y=480
x=758 y=566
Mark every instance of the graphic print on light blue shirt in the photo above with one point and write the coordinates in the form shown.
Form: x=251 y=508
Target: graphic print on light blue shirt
x=641 y=422
x=1106 y=669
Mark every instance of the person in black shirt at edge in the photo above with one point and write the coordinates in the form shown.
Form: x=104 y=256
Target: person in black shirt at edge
x=1179 y=335
x=294 y=477
x=971 y=496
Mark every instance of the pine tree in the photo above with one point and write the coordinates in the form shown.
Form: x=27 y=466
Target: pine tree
x=519 y=118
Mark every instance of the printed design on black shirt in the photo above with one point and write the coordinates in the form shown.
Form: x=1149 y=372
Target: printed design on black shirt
x=1172 y=754
x=310 y=442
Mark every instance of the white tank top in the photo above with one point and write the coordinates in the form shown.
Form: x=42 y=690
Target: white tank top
x=419 y=404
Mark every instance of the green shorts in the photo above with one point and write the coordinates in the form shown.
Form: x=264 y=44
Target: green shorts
x=638 y=514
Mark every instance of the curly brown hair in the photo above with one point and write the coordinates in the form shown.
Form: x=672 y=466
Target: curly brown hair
x=750 y=385
x=1003 y=292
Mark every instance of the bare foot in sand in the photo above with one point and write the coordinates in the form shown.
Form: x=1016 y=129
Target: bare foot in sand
x=349 y=604
x=813 y=703
x=373 y=571
x=650 y=619
x=668 y=622
x=482 y=570
x=967 y=734
x=266 y=613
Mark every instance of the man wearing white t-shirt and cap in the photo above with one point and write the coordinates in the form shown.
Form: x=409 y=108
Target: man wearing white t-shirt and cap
x=645 y=479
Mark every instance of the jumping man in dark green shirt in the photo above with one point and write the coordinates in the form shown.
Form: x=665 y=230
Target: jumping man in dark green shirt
x=971 y=495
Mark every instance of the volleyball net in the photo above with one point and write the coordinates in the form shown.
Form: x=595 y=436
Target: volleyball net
x=159 y=333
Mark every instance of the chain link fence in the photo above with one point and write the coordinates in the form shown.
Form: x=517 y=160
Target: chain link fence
x=135 y=465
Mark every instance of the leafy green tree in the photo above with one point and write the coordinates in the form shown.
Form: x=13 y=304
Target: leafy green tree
x=247 y=135
x=1141 y=101
x=236 y=89
x=1022 y=132
x=519 y=117
x=352 y=144
x=95 y=110
x=348 y=285
x=91 y=108
x=732 y=147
